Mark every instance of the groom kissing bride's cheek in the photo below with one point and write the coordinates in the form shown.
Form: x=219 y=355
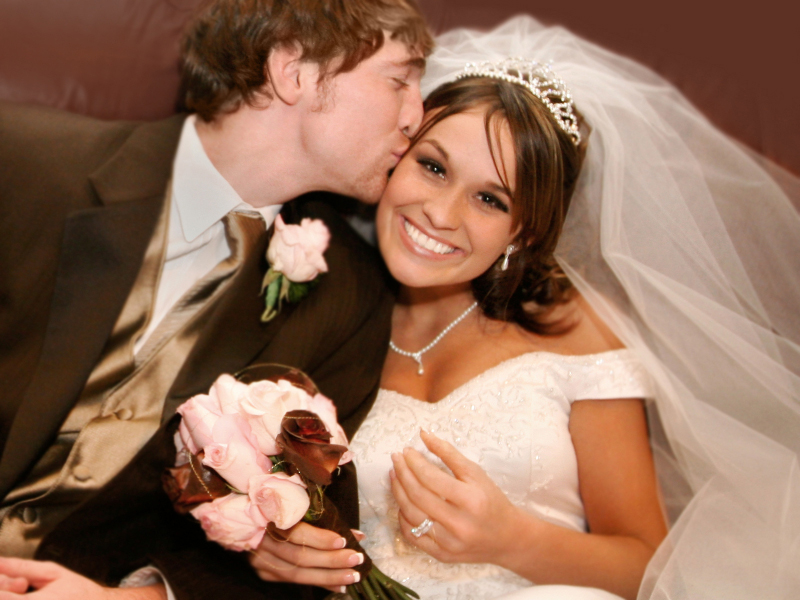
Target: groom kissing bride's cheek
x=568 y=345
x=133 y=258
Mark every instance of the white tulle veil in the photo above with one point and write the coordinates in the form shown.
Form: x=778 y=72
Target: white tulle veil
x=688 y=246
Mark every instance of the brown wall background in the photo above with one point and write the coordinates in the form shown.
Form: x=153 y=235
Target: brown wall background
x=118 y=58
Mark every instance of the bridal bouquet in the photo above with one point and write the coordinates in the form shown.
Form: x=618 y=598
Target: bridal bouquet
x=254 y=459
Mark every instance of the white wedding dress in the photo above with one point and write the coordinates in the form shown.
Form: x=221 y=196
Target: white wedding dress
x=513 y=421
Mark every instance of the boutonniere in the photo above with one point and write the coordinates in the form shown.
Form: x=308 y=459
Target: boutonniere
x=295 y=257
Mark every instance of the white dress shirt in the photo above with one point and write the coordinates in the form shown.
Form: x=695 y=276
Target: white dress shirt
x=201 y=197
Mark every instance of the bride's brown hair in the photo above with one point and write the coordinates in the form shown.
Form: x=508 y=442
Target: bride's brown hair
x=547 y=168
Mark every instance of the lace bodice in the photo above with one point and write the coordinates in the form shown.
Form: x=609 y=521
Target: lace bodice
x=513 y=421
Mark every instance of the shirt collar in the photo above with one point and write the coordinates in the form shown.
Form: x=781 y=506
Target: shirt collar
x=201 y=196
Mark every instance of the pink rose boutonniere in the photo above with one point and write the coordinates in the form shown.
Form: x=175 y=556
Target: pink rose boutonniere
x=296 y=260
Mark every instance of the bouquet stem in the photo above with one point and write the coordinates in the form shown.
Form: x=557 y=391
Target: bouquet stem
x=377 y=586
x=374 y=584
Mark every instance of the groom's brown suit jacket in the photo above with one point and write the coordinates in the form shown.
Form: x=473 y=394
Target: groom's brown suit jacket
x=79 y=199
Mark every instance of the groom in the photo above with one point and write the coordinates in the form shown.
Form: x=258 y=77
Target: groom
x=130 y=268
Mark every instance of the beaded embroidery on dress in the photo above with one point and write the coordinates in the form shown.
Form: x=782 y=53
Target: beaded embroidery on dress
x=513 y=421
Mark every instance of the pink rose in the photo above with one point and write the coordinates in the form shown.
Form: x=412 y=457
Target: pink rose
x=201 y=412
x=199 y=415
x=279 y=498
x=227 y=391
x=297 y=250
x=233 y=452
x=265 y=404
x=231 y=522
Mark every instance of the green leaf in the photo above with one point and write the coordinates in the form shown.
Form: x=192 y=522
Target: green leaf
x=271 y=298
x=269 y=277
x=272 y=292
x=298 y=291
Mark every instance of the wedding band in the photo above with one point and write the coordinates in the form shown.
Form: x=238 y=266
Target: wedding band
x=422 y=528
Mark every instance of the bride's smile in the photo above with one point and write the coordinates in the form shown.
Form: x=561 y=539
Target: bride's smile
x=445 y=217
x=425 y=242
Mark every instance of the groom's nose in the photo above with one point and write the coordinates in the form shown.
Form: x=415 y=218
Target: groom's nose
x=411 y=112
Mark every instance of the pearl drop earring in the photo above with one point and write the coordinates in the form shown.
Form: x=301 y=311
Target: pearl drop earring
x=509 y=249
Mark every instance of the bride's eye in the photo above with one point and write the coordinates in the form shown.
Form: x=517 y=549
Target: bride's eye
x=492 y=201
x=432 y=166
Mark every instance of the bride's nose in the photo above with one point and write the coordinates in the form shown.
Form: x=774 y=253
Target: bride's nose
x=443 y=208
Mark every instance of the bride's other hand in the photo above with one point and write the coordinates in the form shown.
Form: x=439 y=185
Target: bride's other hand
x=310 y=556
x=473 y=519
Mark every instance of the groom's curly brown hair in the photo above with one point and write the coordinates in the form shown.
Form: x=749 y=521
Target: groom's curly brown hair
x=225 y=48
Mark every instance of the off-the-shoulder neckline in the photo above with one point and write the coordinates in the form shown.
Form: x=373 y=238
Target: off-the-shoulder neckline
x=542 y=354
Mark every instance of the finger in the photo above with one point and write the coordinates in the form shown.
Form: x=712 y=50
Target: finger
x=305 y=534
x=463 y=468
x=408 y=509
x=17 y=585
x=298 y=555
x=434 y=542
x=429 y=501
x=359 y=535
x=273 y=568
x=434 y=478
x=38 y=573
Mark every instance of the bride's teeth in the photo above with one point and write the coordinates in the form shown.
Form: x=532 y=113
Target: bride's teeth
x=426 y=242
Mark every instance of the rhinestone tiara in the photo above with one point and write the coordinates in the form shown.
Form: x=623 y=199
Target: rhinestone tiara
x=539 y=79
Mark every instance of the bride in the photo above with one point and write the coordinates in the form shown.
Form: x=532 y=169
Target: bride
x=509 y=444
x=509 y=367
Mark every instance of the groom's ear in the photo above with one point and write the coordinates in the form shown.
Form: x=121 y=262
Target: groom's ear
x=289 y=76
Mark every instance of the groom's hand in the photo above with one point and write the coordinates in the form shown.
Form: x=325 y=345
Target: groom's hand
x=310 y=556
x=50 y=581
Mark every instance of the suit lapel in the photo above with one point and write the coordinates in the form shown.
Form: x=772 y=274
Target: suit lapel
x=102 y=251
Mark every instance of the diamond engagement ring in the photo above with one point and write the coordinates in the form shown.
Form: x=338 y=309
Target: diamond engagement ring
x=422 y=528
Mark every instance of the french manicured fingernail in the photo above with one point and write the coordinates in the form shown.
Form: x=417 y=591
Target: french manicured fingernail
x=356 y=559
x=358 y=532
x=341 y=543
x=355 y=576
x=343 y=589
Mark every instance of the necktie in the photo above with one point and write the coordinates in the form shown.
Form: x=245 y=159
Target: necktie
x=243 y=230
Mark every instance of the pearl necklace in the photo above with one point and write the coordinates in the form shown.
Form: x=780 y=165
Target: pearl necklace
x=417 y=356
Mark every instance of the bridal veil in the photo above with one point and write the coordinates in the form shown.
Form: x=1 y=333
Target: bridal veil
x=688 y=245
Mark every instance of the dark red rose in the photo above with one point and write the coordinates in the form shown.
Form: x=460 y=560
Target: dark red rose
x=192 y=484
x=305 y=443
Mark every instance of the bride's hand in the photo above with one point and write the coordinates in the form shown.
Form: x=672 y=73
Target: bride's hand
x=310 y=556
x=473 y=520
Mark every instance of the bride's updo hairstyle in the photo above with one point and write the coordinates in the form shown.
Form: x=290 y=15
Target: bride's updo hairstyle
x=547 y=166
